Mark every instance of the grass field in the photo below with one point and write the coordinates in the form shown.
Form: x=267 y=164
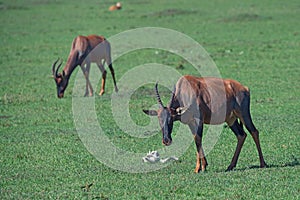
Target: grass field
x=42 y=155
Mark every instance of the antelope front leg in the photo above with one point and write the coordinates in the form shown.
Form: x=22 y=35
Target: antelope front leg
x=103 y=71
x=88 y=84
x=102 y=90
x=201 y=160
x=198 y=162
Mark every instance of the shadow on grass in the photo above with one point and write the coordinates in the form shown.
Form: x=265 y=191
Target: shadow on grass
x=245 y=17
x=294 y=162
x=171 y=12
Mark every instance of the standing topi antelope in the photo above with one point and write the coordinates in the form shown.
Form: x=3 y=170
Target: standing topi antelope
x=197 y=101
x=84 y=51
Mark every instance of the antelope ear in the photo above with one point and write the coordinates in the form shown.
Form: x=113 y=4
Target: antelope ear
x=150 y=112
x=181 y=110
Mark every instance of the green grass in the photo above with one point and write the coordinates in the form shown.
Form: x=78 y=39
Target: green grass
x=42 y=156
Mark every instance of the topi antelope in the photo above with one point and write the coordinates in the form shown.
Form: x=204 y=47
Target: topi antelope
x=197 y=101
x=84 y=51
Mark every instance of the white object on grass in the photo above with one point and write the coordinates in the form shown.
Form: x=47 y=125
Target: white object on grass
x=153 y=156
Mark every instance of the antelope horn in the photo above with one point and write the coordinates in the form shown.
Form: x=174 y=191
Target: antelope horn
x=53 y=68
x=157 y=95
x=173 y=95
x=58 y=68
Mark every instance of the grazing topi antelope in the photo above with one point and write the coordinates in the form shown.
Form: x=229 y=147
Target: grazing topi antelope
x=197 y=101
x=84 y=51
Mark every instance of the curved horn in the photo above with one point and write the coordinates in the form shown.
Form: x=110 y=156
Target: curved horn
x=173 y=95
x=157 y=95
x=58 y=68
x=54 y=73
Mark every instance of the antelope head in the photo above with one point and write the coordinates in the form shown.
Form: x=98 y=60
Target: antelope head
x=60 y=79
x=166 y=117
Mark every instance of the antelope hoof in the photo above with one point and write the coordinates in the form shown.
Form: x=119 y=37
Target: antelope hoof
x=88 y=94
x=197 y=170
x=116 y=89
x=230 y=168
x=101 y=92
x=264 y=165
